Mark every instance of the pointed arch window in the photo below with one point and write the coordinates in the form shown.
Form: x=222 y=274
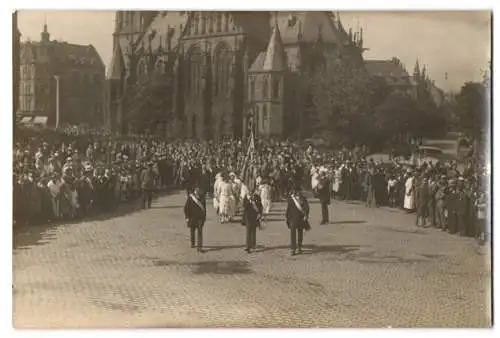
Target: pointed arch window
x=195 y=72
x=223 y=60
x=265 y=118
x=276 y=88
x=265 y=88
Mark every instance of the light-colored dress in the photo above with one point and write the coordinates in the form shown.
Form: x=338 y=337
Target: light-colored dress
x=265 y=197
x=409 y=202
x=227 y=203
x=337 y=180
x=217 y=188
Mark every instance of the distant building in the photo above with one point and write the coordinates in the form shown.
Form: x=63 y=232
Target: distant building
x=16 y=62
x=81 y=75
x=394 y=74
x=224 y=66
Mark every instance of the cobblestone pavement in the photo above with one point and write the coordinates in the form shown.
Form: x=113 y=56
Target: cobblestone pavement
x=367 y=268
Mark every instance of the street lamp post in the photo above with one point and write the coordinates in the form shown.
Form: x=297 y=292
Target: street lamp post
x=57 y=100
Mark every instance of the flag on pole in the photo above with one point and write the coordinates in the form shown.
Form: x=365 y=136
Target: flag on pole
x=248 y=170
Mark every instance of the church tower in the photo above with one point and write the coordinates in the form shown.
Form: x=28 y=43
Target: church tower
x=266 y=87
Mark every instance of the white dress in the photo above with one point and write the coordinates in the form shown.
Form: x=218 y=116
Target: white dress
x=337 y=179
x=409 y=202
x=227 y=203
x=217 y=186
x=265 y=197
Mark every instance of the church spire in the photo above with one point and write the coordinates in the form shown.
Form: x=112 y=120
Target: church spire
x=416 y=70
x=45 y=35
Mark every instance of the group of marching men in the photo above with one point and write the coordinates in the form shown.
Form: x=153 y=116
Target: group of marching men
x=231 y=196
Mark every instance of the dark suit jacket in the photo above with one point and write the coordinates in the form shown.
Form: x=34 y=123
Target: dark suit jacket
x=195 y=215
x=296 y=219
x=324 y=194
x=250 y=215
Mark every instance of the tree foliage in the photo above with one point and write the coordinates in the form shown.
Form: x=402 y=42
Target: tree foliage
x=471 y=115
x=353 y=107
x=343 y=96
x=149 y=103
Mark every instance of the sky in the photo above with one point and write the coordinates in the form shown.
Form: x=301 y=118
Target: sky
x=456 y=43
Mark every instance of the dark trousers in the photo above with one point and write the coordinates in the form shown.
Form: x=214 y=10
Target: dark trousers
x=147 y=198
x=462 y=224
x=251 y=236
x=196 y=233
x=324 y=212
x=452 y=222
x=297 y=235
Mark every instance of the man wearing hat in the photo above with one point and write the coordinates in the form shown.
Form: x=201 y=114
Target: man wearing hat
x=297 y=219
x=195 y=212
x=148 y=179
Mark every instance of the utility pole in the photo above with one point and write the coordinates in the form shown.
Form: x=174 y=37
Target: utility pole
x=57 y=100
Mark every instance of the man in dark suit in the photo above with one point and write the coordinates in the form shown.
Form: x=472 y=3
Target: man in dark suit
x=252 y=214
x=324 y=197
x=148 y=178
x=195 y=212
x=297 y=215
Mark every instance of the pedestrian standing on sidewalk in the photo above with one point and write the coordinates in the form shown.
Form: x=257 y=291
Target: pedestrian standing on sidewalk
x=195 y=212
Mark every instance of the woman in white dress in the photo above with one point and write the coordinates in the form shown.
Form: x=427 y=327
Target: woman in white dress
x=409 y=202
x=265 y=193
x=226 y=201
x=217 y=185
x=337 y=180
x=236 y=184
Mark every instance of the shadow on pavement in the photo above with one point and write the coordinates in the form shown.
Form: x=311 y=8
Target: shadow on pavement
x=404 y=231
x=347 y=222
x=210 y=248
x=168 y=207
x=310 y=249
x=222 y=267
x=210 y=267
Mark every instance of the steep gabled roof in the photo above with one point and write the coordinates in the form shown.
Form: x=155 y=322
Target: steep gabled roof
x=392 y=71
x=275 y=53
x=274 y=57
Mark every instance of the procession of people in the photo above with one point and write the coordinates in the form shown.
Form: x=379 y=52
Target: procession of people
x=61 y=175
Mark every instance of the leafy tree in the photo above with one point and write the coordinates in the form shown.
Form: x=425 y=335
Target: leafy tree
x=471 y=116
x=149 y=103
x=343 y=95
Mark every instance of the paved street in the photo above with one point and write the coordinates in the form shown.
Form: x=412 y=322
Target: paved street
x=367 y=268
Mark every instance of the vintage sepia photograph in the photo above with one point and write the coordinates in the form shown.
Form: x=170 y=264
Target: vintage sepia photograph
x=251 y=169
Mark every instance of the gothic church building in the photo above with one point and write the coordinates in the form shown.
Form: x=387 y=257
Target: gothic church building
x=224 y=67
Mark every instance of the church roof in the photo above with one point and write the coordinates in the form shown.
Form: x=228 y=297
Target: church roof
x=391 y=70
x=306 y=26
x=274 y=56
x=275 y=53
x=116 y=68
x=61 y=52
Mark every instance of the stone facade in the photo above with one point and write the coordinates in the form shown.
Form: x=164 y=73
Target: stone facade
x=16 y=62
x=81 y=74
x=223 y=66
